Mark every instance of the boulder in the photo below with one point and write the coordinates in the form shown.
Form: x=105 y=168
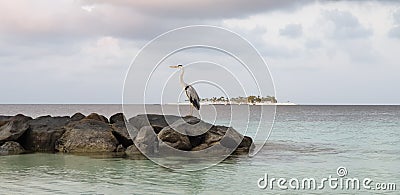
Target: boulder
x=194 y=128
x=132 y=151
x=88 y=135
x=4 y=119
x=43 y=133
x=119 y=117
x=95 y=116
x=14 y=128
x=77 y=116
x=121 y=133
x=146 y=140
x=158 y=122
x=175 y=139
x=192 y=134
x=11 y=147
x=245 y=146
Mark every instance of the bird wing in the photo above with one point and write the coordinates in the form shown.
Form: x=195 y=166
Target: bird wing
x=193 y=97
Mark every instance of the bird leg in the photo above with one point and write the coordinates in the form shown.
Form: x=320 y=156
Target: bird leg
x=191 y=110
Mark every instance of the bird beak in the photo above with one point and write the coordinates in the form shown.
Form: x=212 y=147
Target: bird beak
x=173 y=66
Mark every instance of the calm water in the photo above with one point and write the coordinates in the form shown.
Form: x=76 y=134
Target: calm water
x=306 y=141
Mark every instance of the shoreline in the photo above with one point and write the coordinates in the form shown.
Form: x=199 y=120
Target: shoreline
x=225 y=103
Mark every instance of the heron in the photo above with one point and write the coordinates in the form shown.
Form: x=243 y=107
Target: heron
x=189 y=90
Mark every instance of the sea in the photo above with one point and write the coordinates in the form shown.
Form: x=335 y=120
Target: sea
x=345 y=149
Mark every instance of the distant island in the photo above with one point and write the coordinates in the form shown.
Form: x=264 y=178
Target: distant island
x=252 y=100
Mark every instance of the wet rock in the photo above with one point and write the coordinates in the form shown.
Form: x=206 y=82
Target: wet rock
x=175 y=139
x=120 y=148
x=190 y=133
x=245 y=146
x=4 y=119
x=43 y=133
x=14 y=128
x=77 y=116
x=88 y=135
x=121 y=133
x=158 y=122
x=119 y=117
x=132 y=151
x=95 y=116
x=146 y=140
x=11 y=147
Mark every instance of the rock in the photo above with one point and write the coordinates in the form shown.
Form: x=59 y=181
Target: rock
x=245 y=146
x=157 y=134
x=119 y=117
x=175 y=139
x=11 y=147
x=121 y=133
x=132 y=151
x=14 y=128
x=200 y=147
x=158 y=122
x=191 y=133
x=95 y=116
x=120 y=148
x=43 y=132
x=77 y=116
x=231 y=139
x=4 y=119
x=194 y=128
x=146 y=140
x=88 y=135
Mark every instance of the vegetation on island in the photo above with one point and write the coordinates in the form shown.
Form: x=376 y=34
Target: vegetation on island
x=241 y=100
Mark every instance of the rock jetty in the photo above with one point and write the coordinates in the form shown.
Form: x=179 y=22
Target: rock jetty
x=97 y=134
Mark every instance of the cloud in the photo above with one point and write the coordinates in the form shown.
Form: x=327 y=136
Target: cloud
x=78 y=51
x=291 y=30
x=206 y=9
x=344 y=25
x=394 y=32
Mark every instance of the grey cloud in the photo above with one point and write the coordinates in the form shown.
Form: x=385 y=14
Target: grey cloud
x=396 y=16
x=345 y=25
x=313 y=43
x=202 y=9
x=394 y=32
x=291 y=30
x=139 y=20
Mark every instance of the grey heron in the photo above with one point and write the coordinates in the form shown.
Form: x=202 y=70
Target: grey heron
x=189 y=90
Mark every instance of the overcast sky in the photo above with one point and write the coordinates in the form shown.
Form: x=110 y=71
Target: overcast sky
x=318 y=52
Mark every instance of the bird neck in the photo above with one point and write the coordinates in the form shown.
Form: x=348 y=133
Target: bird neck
x=181 y=78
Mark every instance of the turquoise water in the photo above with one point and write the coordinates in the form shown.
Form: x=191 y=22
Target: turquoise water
x=306 y=141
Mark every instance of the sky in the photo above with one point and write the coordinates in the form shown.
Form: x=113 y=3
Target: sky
x=318 y=52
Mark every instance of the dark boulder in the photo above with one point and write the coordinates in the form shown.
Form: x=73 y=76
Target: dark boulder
x=14 y=128
x=11 y=147
x=77 y=116
x=119 y=117
x=121 y=133
x=4 y=119
x=146 y=140
x=95 y=116
x=192 y=134
x=88 y=135
x=43 y=132
x=245 y=146
x=175 y=139
x=158 y=122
